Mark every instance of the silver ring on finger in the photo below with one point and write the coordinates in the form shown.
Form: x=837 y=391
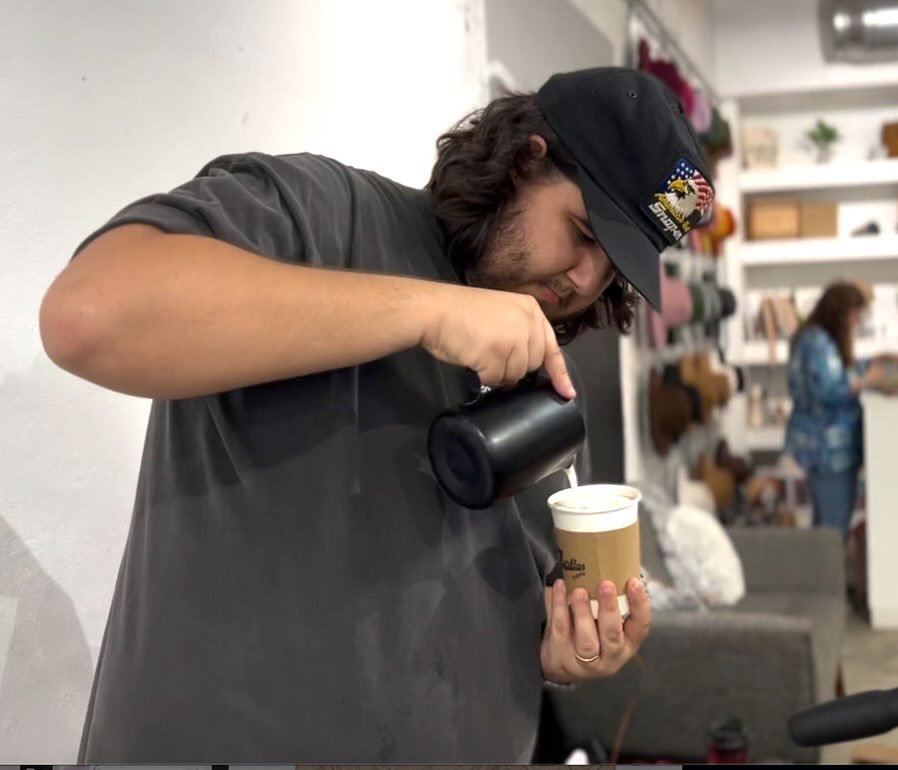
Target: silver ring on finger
x=593 y=659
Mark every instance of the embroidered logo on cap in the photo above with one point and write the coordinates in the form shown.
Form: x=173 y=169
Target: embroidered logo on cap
x=681 y=201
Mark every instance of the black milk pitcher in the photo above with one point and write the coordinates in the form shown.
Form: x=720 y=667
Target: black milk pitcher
x=504 y=441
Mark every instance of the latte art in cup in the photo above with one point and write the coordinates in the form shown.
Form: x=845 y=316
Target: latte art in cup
x=597 y=532
x=595 y=503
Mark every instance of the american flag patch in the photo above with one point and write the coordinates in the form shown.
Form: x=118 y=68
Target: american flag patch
x=681 y=200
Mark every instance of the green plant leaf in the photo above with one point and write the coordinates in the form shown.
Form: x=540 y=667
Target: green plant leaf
x=823 y=134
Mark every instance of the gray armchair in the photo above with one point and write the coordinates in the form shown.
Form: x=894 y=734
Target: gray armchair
x=774 y=653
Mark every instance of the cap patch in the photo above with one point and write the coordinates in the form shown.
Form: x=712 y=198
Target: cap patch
x=680 y=201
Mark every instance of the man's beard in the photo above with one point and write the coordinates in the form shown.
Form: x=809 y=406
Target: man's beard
x=503 y=264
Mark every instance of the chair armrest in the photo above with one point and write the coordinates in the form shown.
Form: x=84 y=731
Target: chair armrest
x=776 y=559
x=701 y=667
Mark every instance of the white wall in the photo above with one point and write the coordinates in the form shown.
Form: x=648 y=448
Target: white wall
x=773 y=45
x=689 y=21
x=533 y=39
x=103 y=102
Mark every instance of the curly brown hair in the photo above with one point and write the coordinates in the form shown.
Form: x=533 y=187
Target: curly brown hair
x=831 y=314
x=473 y=185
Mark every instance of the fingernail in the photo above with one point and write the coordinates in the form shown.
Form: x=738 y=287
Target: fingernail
x=608 y=590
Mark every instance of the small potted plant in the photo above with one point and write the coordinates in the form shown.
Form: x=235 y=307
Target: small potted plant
x=823 y=136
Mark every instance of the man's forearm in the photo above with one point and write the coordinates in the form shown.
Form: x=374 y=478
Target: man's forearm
x=175 y=316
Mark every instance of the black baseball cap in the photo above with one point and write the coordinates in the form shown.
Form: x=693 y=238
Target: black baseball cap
x=639 y=164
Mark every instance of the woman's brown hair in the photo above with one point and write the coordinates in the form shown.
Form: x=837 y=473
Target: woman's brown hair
x=473 y=184
x=831 y=313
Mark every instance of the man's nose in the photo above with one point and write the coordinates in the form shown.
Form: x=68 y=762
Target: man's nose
x=586 y=275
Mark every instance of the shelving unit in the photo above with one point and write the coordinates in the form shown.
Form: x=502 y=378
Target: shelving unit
x=866 y=189
x=637 y=359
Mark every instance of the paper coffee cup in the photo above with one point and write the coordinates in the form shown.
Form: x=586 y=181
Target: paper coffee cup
x=597 y=531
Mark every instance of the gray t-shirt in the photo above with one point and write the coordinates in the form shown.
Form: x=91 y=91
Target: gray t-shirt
x=296 y=587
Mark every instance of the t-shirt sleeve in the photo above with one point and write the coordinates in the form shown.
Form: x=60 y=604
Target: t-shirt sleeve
x=290 y=208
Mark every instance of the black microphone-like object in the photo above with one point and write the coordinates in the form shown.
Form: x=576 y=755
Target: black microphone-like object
x=846 y=719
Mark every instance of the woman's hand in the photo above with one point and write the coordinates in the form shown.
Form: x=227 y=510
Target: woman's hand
x=577 y=647
x=875 y=375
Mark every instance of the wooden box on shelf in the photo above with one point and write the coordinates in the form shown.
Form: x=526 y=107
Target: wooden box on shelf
x=773 y=218
x=890 y=138
x=818 y=219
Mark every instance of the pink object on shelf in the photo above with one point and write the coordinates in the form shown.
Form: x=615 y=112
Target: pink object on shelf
x=676 y=308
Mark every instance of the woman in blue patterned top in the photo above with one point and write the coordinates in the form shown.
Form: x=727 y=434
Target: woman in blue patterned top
x=825 y=429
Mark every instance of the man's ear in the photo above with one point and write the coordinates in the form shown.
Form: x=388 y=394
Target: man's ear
x=538 y=147
x=537 y=151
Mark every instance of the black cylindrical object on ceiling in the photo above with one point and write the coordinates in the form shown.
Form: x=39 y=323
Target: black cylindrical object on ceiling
x=859 y=31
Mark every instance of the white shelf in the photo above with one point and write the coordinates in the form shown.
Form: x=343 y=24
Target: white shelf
x=816 y=250
x=837 y=175
x=756 y=353
x=873 y=347
x=770 y=438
